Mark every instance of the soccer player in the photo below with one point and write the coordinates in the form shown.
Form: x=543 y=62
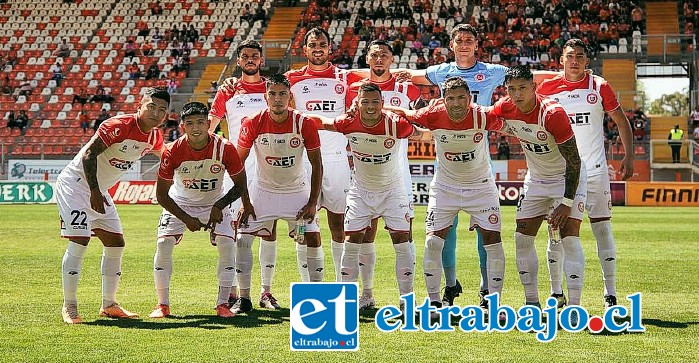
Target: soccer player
x=586 y=98
x=463 y=180
x=190 y=189
x=321 y=88
x=482 y=79
x=555 y=180
x=395 y=94
x=85 y=206
x=374 y=135
x=245 y=96
x=281 y=190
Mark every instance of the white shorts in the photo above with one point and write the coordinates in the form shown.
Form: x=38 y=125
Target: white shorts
x=483 y=204
x=540 y=198
x=250 y=172
x=78 y=219
x=270 y=206
x=363 y=206
x=599 y=196
x=336 y=184
x=404 y=166
x=171 y=226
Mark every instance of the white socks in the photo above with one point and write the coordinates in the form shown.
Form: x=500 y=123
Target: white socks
x=496 y=267
x=336 y=251
x=268 y=263
x=350 y=263
x=226 y=267
x=243 y=261
x=554 y=255
x=162 y=268
x=316 y=263
x=302 y=262
x=405 y=267
x=72 y=265
x=606 y=250
x=367 y=264
x=574 y=267
x=527 y=266
x=111 y=274
x=432 y=265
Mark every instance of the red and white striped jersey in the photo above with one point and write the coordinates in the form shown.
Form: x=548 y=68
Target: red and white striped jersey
x=539 y=131
x=197 y=175
x=245 y=100
x=126 y=143
x=323 y=93
x=585 y=101
x=279 y=149
x=462 y=148
x=375 y=149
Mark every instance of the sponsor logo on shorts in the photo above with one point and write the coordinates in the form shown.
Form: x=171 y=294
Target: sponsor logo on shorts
x=295 y=142
x=324 y=316
x=493 y=218
x=609 y=204
x=215 y=168
x=388 y=143
x=541 y=135
x=581 y=207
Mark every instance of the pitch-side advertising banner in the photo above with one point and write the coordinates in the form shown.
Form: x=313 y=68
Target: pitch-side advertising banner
x=662 y=194
x=36 y=169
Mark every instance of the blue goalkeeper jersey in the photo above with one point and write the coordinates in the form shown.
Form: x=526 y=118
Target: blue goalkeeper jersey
x=482 y=78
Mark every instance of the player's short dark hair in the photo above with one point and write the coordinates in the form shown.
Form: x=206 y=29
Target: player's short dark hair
x=454 y=83
x=468 y=28
x=519 y=72
x=193 y=109
x=277 y=78
x=369 y=87
x=160 y=93
x=576 y=42
x=250 y=43
x=380 y=42
x=317 y=31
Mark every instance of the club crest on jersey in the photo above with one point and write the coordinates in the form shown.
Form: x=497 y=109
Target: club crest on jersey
x=215 y=168
x=541 y=135
x=295 y=142
x=592 y=98
x=395 y=101
x=477 y=137
x=388 y=143
x=339 y=89
x=493 y=218
x=479 y=77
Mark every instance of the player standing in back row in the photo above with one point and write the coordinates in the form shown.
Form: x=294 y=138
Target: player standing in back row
x=85 y=206
x=586 y=98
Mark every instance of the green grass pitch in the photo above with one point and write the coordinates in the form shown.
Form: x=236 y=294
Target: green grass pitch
x=658 y=255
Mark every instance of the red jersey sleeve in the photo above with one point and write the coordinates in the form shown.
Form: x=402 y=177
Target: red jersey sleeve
x=341 y=123
x=309 y=131
x=404 y=128
x=158 y=144
x=113 y=131
x=352 y=93
x=231 y=160
x=558 y=124
x=497 y=108
x=609 y=100
x=167 y=165
x=414 y=92
x=218 y=107
x=248 y=133
x=353 y=77
x=492 y=121
x=426 y=115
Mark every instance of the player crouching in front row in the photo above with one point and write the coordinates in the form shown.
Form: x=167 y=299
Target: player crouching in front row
x=189 y=188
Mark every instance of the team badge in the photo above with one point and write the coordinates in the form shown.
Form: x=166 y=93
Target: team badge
x=581 y=207
x=541 y=135
x=339 y=89
x=215 y=168
x=395 y=101
x=592 y=98
x=493 y=218
x=295 y=142
x=388 y=143
x=479 y=77
x=478 y=137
